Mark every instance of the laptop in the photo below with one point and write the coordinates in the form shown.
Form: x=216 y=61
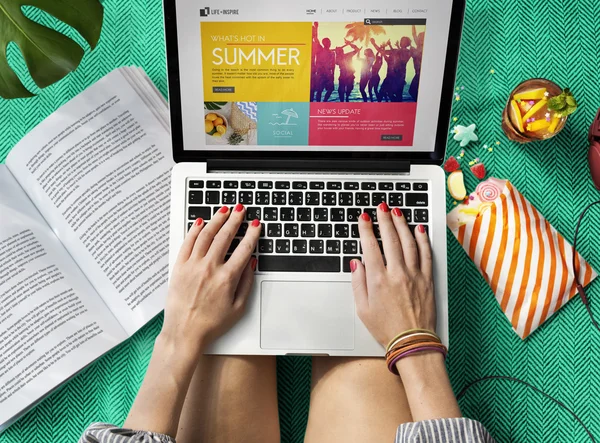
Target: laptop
x=310 y=113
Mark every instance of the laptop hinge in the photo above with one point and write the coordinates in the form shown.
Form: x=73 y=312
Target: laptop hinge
x=309 y=165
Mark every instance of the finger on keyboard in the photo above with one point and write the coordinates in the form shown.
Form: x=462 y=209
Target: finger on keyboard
x=226 y=234
x=424 y=247
x=407 y=240
x=371 y=252
x=190 y=239
x=244 y=250
x=391 y=242
x=208 y=233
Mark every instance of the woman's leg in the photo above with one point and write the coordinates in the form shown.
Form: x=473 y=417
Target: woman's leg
x=355 y=400
x=364 y=81
x=414 y=87
x=377 y=88
x=341 y=88
x=384 y=91
x=349 y=88
x=231 y=399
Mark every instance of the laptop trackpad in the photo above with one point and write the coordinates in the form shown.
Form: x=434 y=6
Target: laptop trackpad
x=306 y=315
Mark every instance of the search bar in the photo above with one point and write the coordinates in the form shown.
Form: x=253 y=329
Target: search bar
x=394 y=21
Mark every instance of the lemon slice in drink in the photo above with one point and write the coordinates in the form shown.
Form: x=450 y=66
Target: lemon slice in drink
x=532 y=94
x=516 y=117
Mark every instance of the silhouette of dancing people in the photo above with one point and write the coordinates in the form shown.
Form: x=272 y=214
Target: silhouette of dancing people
x=385 y=89
x=392 y=88
x=324 y=67
x=417 y=56
x=366 y=73
x=402 y=55
x=313 y=68
x=346 y=64
x=375 y=79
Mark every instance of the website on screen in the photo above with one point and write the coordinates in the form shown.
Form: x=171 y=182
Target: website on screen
x=279 y=76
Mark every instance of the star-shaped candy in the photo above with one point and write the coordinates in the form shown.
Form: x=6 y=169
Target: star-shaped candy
x=465 y=135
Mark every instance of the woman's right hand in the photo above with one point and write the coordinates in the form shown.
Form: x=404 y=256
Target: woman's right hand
x=400 y=296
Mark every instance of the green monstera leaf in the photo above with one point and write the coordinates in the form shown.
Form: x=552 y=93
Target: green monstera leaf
x=49 y=55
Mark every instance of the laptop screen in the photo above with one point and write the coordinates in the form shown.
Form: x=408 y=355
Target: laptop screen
x=332 y=75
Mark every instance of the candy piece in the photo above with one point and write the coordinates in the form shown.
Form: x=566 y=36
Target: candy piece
x=554 y=125
x=534 y=109
x=516 y=116
x=487 y=191
x=537 y=125
x=479 y=171
x=456 y=185
x=470 y=211
x=465 y=135
x=451 y=165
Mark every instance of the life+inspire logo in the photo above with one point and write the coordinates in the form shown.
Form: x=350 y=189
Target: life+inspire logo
x=206 y=11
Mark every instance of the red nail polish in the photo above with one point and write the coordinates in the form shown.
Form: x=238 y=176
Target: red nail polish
x=256 y=223
x=365 y=217
x=199 y=221
x=224 y=209
x=422 y=229
x=353 y=265
x=384 y=207
x=253 y=263
x=397 y=212
x=239 y=207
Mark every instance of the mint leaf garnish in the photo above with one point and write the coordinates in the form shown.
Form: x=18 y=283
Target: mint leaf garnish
x=563 y=104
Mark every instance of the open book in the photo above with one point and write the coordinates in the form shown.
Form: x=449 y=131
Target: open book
x=84 y=226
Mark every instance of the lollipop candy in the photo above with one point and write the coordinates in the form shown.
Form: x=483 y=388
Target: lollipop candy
x=488 y=191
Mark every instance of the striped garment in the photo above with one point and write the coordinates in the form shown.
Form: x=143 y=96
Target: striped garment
x=452 y=430
x=107 y=433
x=527 y=263
x=448 y=430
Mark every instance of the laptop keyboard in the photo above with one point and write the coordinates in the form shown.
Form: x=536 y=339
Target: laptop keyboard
x=307 y=226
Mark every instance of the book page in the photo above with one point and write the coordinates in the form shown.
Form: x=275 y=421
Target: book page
x=99 y=171
x=52 y=321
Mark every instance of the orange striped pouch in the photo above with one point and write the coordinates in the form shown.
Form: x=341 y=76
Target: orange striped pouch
x=527 y=263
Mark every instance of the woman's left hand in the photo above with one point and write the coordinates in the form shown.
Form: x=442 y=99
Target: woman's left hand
x=207 y=295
